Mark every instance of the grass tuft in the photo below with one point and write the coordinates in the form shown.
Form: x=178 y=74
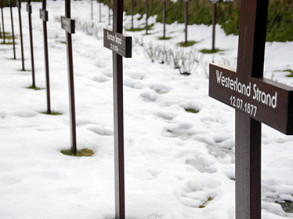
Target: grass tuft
x=34 y=88
x=6 y=43
x=165 y=38
x=203 y=205
x=80 y=153
x=140 y=28
x=189 y=43
x=210 y=51
x=290 y=75
x=52 y=113
x=190 y=110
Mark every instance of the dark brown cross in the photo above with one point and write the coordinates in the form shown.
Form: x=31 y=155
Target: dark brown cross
x=121 y=46
x=256 y=100
x=2 y=16
x=12 y=29
x=214 y=20
x=29 y=11
x=69 y=26
x=45 y=18
x=20 y=33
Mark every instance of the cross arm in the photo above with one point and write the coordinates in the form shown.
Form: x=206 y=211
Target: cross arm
x=262 y=99
x=118 y=43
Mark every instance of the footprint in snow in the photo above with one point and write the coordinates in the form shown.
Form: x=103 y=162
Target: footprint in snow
x=25 y=114
x=197 y=193
x=136 y=75
x=160 y=89
x=100 y=79
x=2 y=115
x=101 y=130
x=200 y=163
x=133 y=84
x=165 y=115
x=149 y=96
x=179 y=130
x=109 y=74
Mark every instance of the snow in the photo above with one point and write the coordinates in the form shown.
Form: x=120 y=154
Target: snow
x=175 y=161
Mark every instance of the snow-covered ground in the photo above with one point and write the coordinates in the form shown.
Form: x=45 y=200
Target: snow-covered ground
x=178 y=164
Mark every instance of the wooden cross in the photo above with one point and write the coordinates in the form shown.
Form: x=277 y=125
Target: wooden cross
x=45 y=18
x=214 y=20
x=69 y=26
x=256 y=100
x=20 y=33
x=12 y=29
x=2 y=16
x=29 y=11
x=121 y=46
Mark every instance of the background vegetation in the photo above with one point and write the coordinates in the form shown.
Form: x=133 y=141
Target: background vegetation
x=280 y=16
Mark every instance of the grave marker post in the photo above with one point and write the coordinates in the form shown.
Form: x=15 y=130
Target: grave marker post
x=20 y=33
x=45 y=18
x=121 y=46
x=29 y=11
x=256 y=100
x=164 y=18
x=214 y=20
x=2 y=16
x=69 y=26
x=132 y=13
x=92 y=10
x=100 y=11
x=186 y=20
x=12 y=29
x=146 y=16
x=109 y=13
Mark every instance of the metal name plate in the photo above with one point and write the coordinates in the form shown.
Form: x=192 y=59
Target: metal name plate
x=118 y=43
x=44 y=15
x=29 y=8
x=68 y=24
x=262 y=99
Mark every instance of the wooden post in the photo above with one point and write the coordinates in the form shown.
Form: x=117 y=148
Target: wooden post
x=256 y=100
x=146 y=16
x=109 y=13
x=100 y=11
x=121 y=46
x=164 y=19
x=186 y=20
x=29 y=11
x=92 y=10
x=12 y=29
x=214 y=5
x=2 y=16
x=69 y=26
x=132 y=13
x=45 y=17
x=251 y=47
x=20 y=33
